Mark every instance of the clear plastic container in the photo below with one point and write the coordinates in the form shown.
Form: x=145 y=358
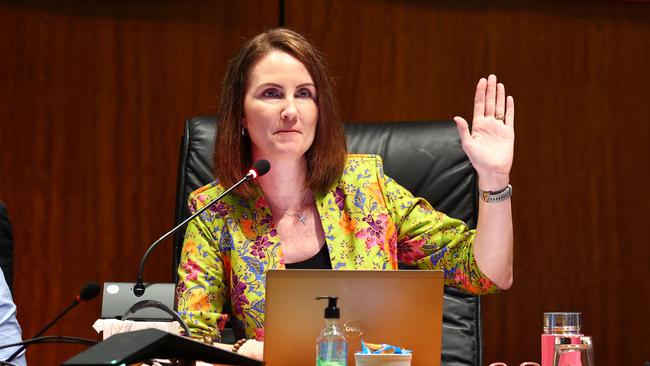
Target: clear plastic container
x=331 y=347
x=389 y=359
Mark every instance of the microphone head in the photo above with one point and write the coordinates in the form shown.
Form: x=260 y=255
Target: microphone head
x=89 y=291
x=261 y=167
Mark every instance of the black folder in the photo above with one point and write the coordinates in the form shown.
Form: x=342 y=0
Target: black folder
x=142 y=345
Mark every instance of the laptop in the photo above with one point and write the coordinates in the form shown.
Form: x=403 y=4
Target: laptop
x=118 y=297
x=401 y=308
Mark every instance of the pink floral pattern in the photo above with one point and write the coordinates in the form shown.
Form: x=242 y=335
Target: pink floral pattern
x=191 y=269
x=410 y=250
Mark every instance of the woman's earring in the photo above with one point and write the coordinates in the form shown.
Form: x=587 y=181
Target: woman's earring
x=243 y=131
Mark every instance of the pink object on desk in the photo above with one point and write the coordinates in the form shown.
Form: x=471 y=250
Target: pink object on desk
x=559 y=325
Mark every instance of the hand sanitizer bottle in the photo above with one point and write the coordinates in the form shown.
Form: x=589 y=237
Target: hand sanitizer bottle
x=331 y=347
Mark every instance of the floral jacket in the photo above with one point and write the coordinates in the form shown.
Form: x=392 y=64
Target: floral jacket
x=370 y=222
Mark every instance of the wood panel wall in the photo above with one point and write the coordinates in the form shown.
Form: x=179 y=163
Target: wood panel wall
x=580 y=75
x=93 y=95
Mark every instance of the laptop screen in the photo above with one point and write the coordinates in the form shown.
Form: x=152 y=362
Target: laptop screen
x=118 y=297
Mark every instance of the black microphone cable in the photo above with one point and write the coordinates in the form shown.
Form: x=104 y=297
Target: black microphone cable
x=51 y=339
x=46 y=339
x=144 y=304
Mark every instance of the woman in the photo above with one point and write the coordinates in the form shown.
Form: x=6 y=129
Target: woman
x=326 y=208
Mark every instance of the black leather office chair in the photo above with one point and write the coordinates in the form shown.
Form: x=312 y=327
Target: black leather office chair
x=6 y=246
x=424 y=157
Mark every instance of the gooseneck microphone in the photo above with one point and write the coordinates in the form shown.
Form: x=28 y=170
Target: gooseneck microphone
x=260 y=168
x=89 y=291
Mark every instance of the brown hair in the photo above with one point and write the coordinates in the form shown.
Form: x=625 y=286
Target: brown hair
x=326 y=156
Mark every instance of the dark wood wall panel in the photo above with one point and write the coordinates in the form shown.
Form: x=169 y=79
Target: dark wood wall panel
x=93 y=96
x=580 y=75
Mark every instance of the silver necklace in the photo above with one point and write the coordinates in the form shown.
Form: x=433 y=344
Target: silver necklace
x=299 y=215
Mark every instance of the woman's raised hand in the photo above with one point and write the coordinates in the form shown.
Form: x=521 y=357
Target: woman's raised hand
x=490 y=144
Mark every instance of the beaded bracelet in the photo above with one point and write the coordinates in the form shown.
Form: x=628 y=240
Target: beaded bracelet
x=238 y=344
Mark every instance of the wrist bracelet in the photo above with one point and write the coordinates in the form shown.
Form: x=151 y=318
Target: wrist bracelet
x=238 y=344
x=496 y=196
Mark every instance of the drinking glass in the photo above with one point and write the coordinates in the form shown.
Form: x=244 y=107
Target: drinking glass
x=573 y=351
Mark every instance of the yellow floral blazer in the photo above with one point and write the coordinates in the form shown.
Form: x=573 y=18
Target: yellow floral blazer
x=370 y=222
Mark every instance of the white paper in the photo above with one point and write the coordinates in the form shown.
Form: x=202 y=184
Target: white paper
x=108 y=327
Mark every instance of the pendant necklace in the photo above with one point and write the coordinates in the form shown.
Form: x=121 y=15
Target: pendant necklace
x=299 y=215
